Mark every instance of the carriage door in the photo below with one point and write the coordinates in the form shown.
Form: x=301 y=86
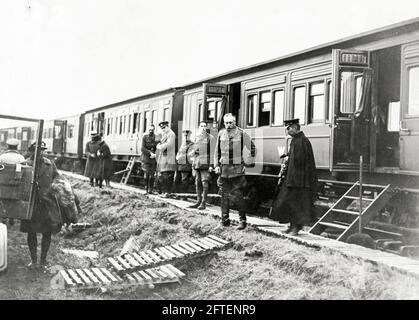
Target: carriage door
x=214 y=103
x=58 y=137
x=351 y=87
x=409 y=124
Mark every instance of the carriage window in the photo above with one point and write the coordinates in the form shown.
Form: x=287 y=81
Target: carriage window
x=251 y=114
x=57 y=132
x=49 y=133
x=134 y=123
x=300 y=103
x=154 y=117
x=211 y=116
x=329 y=104
x=200 y=113
x=316 y=102
x=129 y=123
x=24 y=135
x=264 y=108
x=120 y=124
x=70 y=133
x=278 y=110
x=125 y=124
x=166 y=114
x=413 y=106
x=350 y=91
x=146 y=115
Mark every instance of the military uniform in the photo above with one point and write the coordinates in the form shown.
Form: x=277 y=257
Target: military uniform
x=202 y=151
x=166 y=163
x=148 y=165
x=93 y=170
x=229 y=157
x=105 y=158
x=184 y=166
x=11 y=155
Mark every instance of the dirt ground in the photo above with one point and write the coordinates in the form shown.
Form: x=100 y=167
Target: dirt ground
x=257 y=266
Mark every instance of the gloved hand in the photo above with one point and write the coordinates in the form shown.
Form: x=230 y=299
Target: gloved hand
x=217 y=170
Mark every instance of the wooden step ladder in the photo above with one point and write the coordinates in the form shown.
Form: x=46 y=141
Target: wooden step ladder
x=128 y=170
x=343 y=217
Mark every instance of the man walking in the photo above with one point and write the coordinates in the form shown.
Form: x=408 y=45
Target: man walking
x=201 y=153
x=230 y=165
x=166 y=163
x=294 y=203
x=148 y=158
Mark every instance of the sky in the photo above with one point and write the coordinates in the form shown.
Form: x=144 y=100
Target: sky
x=63 y=57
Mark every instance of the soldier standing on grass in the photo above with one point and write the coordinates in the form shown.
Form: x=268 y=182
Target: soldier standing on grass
x=166 y=163
x=201 y=153
x=183 y=164
x=148 y=158
x=230 y=165
x=294 y=203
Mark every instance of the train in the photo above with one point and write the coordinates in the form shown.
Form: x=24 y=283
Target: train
x=357 y=96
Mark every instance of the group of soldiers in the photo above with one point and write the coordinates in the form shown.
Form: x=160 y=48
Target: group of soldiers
x=225 y=156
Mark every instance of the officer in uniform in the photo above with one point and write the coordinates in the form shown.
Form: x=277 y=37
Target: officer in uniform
x=11 y=155
x=148 y=158
x=93 y=165
x=230 y=165
x=166 y=163
x=184 y=167
x=202 y=151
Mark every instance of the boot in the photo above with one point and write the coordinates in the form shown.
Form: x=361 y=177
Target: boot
x=199 y=197
x=242 y=225
x=204 y=197
x=225 y=209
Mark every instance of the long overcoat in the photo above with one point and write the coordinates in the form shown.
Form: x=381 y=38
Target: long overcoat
x=106 y=160
x=167 y=153
x=294 y=203
x=46 y=216
x=94 y=166
x=148 y=145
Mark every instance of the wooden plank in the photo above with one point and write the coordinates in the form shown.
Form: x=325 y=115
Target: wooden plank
x=180 y=249
x=138 y=277
x=175 y=252
x=163 y=254
x=75 y=277
x=146 y=257
x=175 y=270
x=168 y=271
x=131 y=260
x=124 y=263
x=99 y=274
x=162 y=275
x=215 y=243
x=167 y=253
x=130 y=278
x=92 y=276
x=139 y=259
x=107 y=273
x=115 y=264
x=218 y=239
x=193 y=249
x=145 y=276
x=67 y=279
x=203 y=245
x=153 y=255
x=84 y=277
x=152 y=274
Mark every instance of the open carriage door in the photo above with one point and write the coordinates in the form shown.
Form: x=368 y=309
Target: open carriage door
x=409 y=124
x=351 y=94
x=214 y=103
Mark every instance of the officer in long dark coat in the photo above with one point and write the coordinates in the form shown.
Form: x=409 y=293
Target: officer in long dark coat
x=46 y=216
x=148 y=158
x=105 y=157
x=294 y=203
x=94 y=168
x=184 y=166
